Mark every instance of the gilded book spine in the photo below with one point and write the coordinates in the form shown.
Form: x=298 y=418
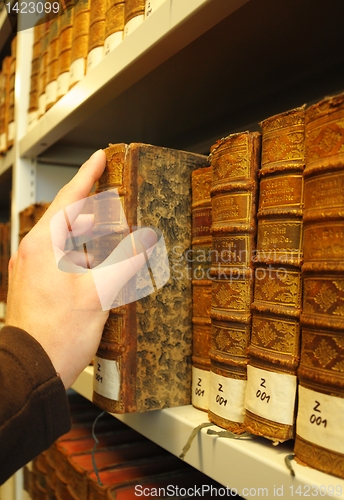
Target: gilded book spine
x=235 y=161
x=52 y=63
x=114 y=24
x=81 y=25
x=276 y=308
x=201 y=286
x=33 y=98
x=96 y=33
x=134 y=15
x=319 y=428
x=65 y=52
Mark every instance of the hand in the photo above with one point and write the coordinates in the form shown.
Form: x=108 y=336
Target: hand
x=62 y=310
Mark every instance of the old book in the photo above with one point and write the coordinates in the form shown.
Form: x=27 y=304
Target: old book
x=81 y=25
x=52 y=63
x=274 y=349
x=65 y=52
x=319 y=428
x=134 y=15
x=96 y=33
x=201 y=286
x=42 y=78
x=235 y=161
x=114 y=24
x=144 y=358
x=11 y=100
x=5 y=253
x=35 y=64
x=4 y=101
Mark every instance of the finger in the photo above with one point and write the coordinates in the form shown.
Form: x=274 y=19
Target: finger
x=124 y=262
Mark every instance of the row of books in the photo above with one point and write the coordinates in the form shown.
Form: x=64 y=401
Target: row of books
x=101 y=458
x=66 y=47
x=268 y=282
x=248 y=325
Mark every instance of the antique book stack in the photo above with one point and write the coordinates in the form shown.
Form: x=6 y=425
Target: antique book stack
x=134 y=15
x=275 y=339
x=319 y=428
x=235 y=162
x=114 y=24
x=120 y=465
x=144 y=358
x=201 y=286
x=96 y=33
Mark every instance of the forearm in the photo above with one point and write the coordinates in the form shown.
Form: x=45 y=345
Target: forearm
x=34 y=409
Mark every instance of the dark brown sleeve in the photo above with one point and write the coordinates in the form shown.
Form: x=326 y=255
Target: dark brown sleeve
x=34 y=408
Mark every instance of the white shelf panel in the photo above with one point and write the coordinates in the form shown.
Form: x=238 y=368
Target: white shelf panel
x=254 y=467
x=167 y=31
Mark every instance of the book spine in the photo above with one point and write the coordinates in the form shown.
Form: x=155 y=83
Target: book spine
x=52 y=63
x=235 y=161
x=134 y=15
x=201 y=286
x=319 y=431
x=96 y=33
x=11 y=100
x=114 y=364
x=81 y=24
x=35 y=63
x=275 y=339
x=44 y=39
x=114 y=24
x=65 y=52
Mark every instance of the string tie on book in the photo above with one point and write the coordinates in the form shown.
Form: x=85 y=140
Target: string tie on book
x=288 y=459
x=95 y=468
x=191 y=438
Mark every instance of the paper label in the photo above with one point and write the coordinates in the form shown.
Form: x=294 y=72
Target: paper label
x=226 y=397
x=200 y=388
x=133 y=24
x=51 y=93
x=151 y=6
x=94 y=57
x=320 y=419
x=112 y=41
x=107 y=378
x=62 y=84
x=77 y=70
x=271 y=395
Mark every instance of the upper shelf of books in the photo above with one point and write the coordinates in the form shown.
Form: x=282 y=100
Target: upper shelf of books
x=195 y=71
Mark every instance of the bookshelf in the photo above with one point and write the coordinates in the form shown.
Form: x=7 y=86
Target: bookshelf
x=191 y=73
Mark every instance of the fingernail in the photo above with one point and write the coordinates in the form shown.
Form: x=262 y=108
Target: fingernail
x=148 y=238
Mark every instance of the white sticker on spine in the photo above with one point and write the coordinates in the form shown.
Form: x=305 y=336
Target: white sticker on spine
x=107 y=378
x=271 y=395
x=226 y=397
x=320 y=419
x=200 y=388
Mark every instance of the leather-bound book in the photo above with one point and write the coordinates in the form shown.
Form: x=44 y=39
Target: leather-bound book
x=201 y=286
x=81 y=25
x=42 y=77
x=65 y=52
x=319 y=428
x=35 y=65
x=96 y=35
x=235 y=161
x=274 y=350
x=52 y=62
x=144 y=358
x=11 y=100
x=134 y=15
x=4 y=102
x=114 y=24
